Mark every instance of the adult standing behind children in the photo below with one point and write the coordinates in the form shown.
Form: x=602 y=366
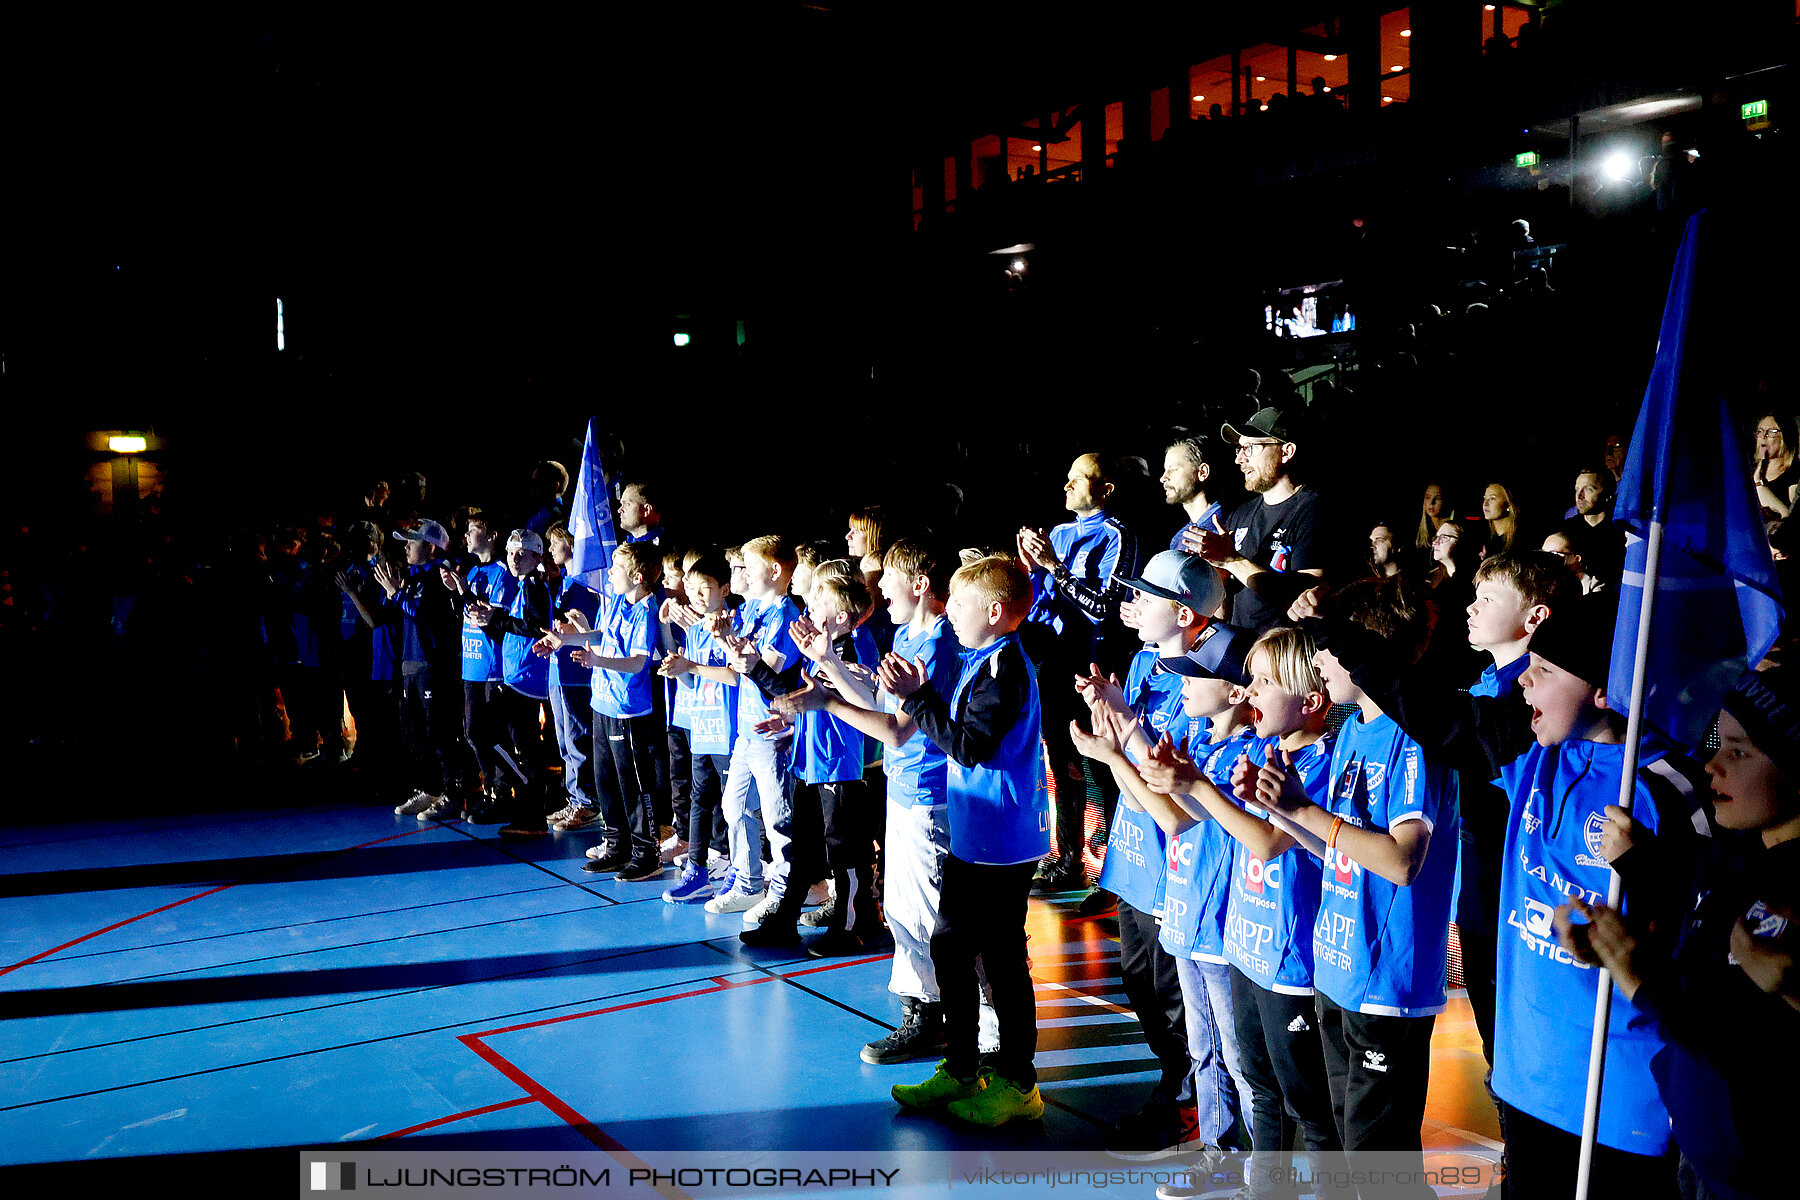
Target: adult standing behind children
x=1077 y=572
x=1273 y=544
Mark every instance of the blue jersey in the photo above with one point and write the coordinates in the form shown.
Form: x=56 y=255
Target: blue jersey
x=524 y=672
x=999 y=809
x=571 y=593
x=1273 y=904
x=765 y=622
x=493 y=584
x=1558 y=799
x=1378 y=947
x=825 y=749
x=1134 y=863
x=627 y=630
x=712 y=714
x=916 y=772
x=1197 y=878
x=1099 y=553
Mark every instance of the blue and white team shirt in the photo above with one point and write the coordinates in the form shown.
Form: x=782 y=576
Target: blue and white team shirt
x=917 y=772
x=765 y=623
x=1559 y=795
x=825 y=749
x=1098 y=552
x=1380 y=948
x=1000 y=810
x=1197 y=878
x=1269 y=921
x=626 y=630
x=712 y=713
x=571 y=593
x=524 y=672
x=1135 y=851
x=492 y=584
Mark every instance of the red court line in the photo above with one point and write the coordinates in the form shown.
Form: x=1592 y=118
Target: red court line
x=461 y=1116
x=26 y=962
x=535 y=1091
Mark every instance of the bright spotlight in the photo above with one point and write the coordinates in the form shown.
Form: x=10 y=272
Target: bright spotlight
x=1018 y=266
x=1617 y=166
x=126 y=445
x=1199 y=97
x=1331 y=58
x=682 y=339
x=1406 y=33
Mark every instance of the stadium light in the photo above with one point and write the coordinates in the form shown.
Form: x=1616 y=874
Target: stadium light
x=1618 y=166
x=128 y=444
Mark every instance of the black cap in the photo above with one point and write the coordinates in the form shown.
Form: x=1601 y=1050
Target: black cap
x=1222 y=652
x=1578 y=637
x=1268 y=422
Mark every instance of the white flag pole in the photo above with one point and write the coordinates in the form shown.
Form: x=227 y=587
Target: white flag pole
x=1590 y=1119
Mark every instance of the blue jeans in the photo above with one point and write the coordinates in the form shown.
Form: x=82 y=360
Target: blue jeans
x=572 y=710
x=1221 y=1097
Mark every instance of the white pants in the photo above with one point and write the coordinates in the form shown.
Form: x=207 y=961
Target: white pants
x=913 y=851
x=765 y=763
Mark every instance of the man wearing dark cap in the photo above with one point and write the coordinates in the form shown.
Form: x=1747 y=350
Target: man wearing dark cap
x=1273 y=543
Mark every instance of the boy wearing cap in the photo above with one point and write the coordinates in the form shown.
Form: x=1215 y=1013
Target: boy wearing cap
x=487 y=582
x=526 y=675
x=1556 y=748
x=1197 y=876
x=429 y=713
x=1273 y=540
x=1168 y=606
x=1726 y=999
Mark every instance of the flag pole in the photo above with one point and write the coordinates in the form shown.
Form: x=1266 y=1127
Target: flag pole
x=1590 y=1119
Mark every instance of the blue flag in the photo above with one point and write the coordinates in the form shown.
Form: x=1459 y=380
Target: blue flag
x=1717 y=602
x=591 y=517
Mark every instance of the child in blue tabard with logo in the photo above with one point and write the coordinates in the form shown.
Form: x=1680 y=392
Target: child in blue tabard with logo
x=711 y=709
x=1387 y=832
x=1272 y=907
x=828 y=769
x=626 y=729
x=486 y=582
x=1554 y=744
x=571 y=693
x=527 y=679
x=989 y=728
x=1196 y=882
x=1170 y=606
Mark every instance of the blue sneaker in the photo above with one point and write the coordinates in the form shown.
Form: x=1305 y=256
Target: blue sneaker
x=693 y=885
x=729 y=881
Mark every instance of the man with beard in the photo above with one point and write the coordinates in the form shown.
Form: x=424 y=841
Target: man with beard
x=1184 y=478
x=1591 y=531
x=1273 y=544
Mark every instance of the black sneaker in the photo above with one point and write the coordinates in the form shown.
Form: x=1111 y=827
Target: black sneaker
x=838 y=943
x=520 y=829
x=620 y=857
x=921 y=1035
x=771 y=933
x=1097 y=903
x=1072 y=881
x=637 y=870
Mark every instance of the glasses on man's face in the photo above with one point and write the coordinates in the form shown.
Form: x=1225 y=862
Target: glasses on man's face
x=1444 y=537
x=1244 y=448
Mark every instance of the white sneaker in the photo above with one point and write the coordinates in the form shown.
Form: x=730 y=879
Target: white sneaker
x=602 y=850
x=673 y=848
x=754 y=916
x=441 y=807
x=736 y=900
x=418 y=803
x=560 y=813
x=717 y=865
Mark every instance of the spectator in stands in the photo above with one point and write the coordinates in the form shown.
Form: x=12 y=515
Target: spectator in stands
x=1559 y=544
x=1384 y=556
x=640 y=518
x=1613 y=451
x=1502 y=517
x=1591 y=532
x=1185 y=477
x=1776 y=470
x=1433 y=513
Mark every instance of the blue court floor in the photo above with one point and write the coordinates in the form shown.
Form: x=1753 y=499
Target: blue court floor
x=340 y=976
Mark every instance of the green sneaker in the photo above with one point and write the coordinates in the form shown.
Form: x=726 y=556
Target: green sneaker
x=998 y=1101
x=939 y=1090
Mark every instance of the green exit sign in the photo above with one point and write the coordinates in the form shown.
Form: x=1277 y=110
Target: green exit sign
x=1528 y=159
x=1756 y=108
